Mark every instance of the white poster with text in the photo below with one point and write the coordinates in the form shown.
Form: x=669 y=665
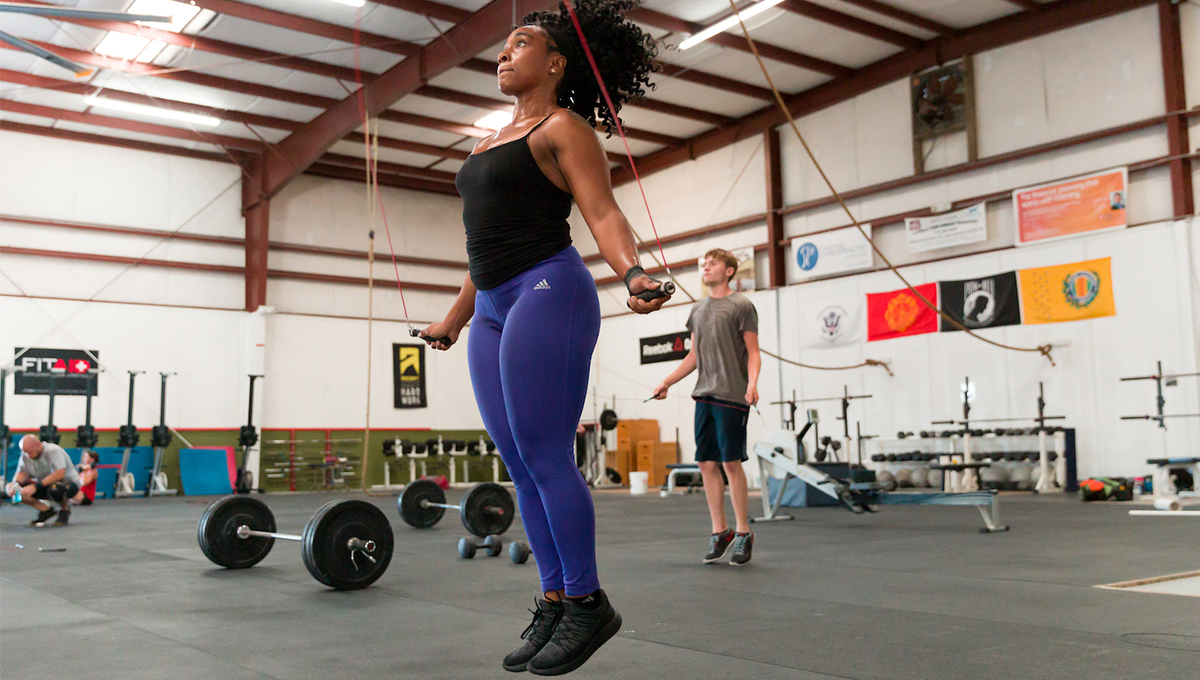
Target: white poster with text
x=957 y=228
x=830 y=252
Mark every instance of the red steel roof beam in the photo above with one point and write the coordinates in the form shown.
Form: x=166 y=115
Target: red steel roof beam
x=851 y=23
x=482 y=29
x=902 y=15
x=301 y=24
x=130 y=125
x=433 y=10
x=1004 y=31
x=737 y=42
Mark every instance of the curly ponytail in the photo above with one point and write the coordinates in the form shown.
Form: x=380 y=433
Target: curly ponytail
x=624 y=53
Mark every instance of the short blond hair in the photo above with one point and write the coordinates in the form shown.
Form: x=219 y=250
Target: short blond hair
x=725 y=256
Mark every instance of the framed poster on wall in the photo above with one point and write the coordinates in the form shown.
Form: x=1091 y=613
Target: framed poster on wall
x=408 y=376
x=1079 y=205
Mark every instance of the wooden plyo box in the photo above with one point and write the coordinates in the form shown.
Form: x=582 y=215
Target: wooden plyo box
x=654 y=457
x=630 y=433
x=620 y=460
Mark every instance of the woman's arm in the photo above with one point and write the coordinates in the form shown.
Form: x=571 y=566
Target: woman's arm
x=584 y=166
x=460 y=313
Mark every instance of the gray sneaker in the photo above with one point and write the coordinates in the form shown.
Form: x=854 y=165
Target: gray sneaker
x=718 y=544
x=743 y=545
x=579 y=633
x=545 y=619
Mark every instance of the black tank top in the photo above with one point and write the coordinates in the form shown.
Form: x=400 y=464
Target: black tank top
x=514 y=215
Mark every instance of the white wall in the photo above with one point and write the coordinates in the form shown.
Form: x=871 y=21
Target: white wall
x=1156 y=292
x=191 y=322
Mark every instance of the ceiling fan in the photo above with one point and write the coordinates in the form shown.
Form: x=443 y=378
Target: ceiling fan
x=55 y=12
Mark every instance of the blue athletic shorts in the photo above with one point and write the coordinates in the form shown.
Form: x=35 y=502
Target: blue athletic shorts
x=720 y=430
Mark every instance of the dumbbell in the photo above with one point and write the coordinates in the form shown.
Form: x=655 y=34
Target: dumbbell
x=519 y=552
x=487 y=509
x=467 y=545
x=347 y=545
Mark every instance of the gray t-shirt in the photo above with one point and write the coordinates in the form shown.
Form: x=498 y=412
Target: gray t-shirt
x=53 y=458
x=722 y=361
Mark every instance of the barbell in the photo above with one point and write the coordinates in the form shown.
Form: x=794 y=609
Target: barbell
x=347 y=545
x=487 y=509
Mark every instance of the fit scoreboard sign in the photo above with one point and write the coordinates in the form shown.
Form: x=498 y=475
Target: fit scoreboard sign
x=68 y=368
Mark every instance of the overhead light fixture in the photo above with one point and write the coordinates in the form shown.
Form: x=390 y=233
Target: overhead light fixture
x=352 y=3
x=118 y=105
x=180 y=13
x=121 y=46
x=494 y=120
x=727 y=23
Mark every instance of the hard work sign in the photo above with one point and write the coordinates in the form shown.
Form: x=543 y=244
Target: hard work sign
x=67 y=367
x=672 y=347
x=408 y=376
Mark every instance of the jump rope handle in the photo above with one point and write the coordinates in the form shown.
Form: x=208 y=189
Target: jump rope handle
x=416 y=333
x=665 y=290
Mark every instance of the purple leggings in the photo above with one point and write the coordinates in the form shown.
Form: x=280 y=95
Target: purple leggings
x=530 y=351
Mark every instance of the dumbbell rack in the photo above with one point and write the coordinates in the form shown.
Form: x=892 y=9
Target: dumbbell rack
x=419 y=455
x=289 y=458
x=1010 y=453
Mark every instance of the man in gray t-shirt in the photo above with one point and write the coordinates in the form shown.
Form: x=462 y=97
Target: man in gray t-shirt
x=724 y=330
x=44 y=473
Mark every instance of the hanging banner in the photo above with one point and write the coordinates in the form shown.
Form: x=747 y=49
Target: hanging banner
x=980 y=303
x=408 y=376
x=826 y=324
x=743 y=280
x=69 y=368
x=830 y=252
x=1068 y=292
x=900 y=313
x=670 y=347
x=957 y=228
x=1076 y=206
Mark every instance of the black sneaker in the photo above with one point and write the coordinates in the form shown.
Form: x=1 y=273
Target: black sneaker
x=717 y=545
x=545 y=618
x=64 y=516
x=743 y=544
x=43 y=517
x=578 y=635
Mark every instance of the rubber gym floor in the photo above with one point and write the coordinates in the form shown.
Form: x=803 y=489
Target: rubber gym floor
x=911 y=592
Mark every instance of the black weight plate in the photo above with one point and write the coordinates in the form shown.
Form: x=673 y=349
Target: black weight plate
x=217 y=531
x=608 y=419
x=410 y=508
x=325 y=544
x=487 y=509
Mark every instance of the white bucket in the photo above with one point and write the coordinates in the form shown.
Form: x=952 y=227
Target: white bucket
x=1167 y=503
x=639 y=483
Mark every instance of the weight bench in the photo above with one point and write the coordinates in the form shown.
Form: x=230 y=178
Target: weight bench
x=1163 y=486
x=676 y=469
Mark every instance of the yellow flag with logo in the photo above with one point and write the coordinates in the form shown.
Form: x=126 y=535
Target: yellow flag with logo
x=1067 y=292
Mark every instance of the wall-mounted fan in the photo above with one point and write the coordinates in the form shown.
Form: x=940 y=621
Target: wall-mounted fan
x=54 y=12
x=939 y=98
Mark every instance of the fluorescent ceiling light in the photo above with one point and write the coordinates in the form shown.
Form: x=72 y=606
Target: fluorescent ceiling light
x=152 y=51
x=494 y=120
x=121 y=46
x=179 y=12
x=727 y=23
x=118 y=105
x=352 y=3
